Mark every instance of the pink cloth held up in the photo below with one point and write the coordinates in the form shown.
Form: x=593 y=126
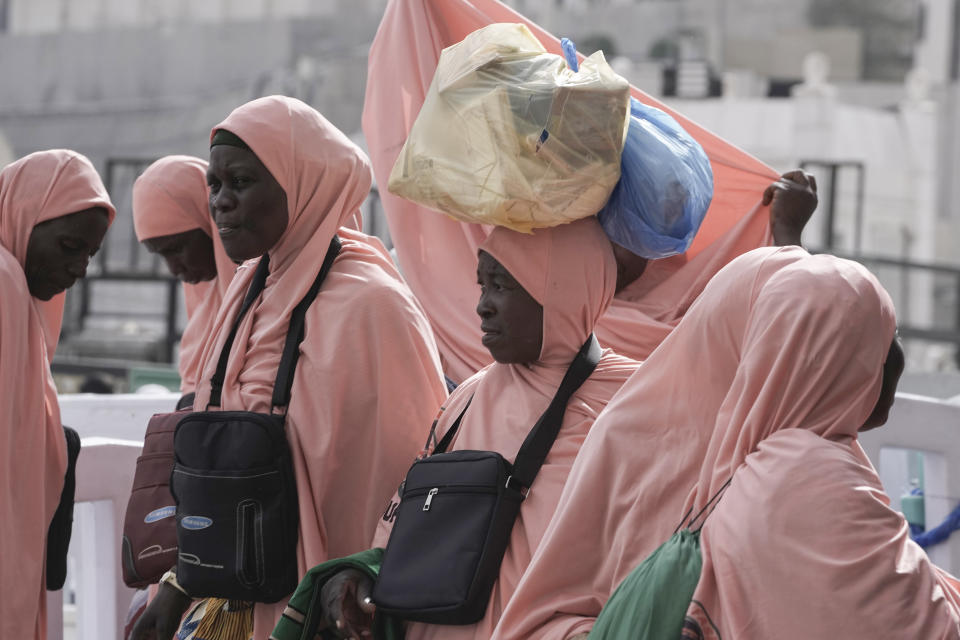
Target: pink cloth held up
x=39 y=187
x=171 y=197
x=368 y=382
x=438 y=255
x=804 y=544
x=570 y=271
x=628 y=487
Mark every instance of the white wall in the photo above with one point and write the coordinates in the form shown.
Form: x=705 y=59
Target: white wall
x=47 y=16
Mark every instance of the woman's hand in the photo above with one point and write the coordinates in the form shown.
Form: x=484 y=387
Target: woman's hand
x=346 y=604
x=580 y=636
x=162 y=616
x=792 y=200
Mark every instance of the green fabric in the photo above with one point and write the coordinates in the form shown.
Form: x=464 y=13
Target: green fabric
x=222 y=136
x=651 y=603
x=305 y=602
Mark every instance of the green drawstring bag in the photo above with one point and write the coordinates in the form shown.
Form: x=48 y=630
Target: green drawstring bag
x=651 y=603
x=302 y=616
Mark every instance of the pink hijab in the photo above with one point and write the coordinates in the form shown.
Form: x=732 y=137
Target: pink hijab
x=628 y=487
x=438 y=255
x=368 y=381
x=40 y=187
x=804 y=544
x=570 y=271
x=171 y=197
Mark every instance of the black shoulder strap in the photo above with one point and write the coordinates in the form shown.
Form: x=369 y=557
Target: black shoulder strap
x=291 y=348
x=452 y=431
x=540 y=439
x=256 y=288
x=295 y=333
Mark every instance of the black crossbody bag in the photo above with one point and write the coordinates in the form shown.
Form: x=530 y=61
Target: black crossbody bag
x=233 y=480
x=61 y=527
x=456 y=513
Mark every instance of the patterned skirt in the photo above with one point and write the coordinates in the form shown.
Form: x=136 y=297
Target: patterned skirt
x=217 y=619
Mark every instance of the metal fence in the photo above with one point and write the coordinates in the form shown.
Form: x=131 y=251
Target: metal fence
x=926 y=294
x=927 y=298
x=125 y=284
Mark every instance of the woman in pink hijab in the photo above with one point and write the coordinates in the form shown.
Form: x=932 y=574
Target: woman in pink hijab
x=803 y=543
x=541 y=297
x=54 y=212
x=283 y=181
x=172 y=219
x=629 y=486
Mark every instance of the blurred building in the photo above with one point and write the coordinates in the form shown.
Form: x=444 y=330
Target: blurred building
x=128 y=81
x=863 y=91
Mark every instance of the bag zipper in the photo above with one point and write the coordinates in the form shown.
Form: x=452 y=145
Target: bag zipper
x=454 y=488
x=430 y=494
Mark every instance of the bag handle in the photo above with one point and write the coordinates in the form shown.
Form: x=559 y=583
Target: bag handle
x=295 y=332
x=256 y=288
x=291 y=348
x=540 y=439
x=452 y=431
x=543 y=434
x=711 y=502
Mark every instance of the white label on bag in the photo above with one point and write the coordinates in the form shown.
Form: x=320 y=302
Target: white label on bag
x=160 y=514
x=195 y=523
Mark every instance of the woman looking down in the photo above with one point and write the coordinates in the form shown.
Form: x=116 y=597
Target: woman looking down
x=628 y=487
x=172 y=219
x=54 y=212
x=803 y=543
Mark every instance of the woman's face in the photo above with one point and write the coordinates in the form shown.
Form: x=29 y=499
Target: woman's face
x=60 y=249
x=189 y=255
x=892 y=370
x=511 y=320
x=247 y=203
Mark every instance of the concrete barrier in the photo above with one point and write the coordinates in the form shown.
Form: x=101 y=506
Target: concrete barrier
x=111 y=430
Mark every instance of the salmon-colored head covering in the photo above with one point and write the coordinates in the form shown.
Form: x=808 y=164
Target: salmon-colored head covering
x=570 y=271
x=40 y=187
x=43 y=186
x=812 y=358
x=317 y=165
x=326 y=178
x=170 y=197
x=368 y=381
x=803 y=543
x=627 y=489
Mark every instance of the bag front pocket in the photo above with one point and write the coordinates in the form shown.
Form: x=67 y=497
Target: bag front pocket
x=230 y=528
x=448 y=552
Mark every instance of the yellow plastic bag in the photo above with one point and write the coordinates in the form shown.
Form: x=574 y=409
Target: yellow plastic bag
x=508 y=135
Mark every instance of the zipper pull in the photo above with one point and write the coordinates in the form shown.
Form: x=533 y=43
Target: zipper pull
x=433 y=492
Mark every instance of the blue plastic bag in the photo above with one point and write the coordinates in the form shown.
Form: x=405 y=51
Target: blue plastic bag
x=665 y=187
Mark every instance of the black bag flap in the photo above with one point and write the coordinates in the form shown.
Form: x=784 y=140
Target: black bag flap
x=229 y=440
x=457 y=468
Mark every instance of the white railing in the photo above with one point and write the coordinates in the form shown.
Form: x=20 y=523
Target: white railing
x=932 y=427
x=112 y=429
